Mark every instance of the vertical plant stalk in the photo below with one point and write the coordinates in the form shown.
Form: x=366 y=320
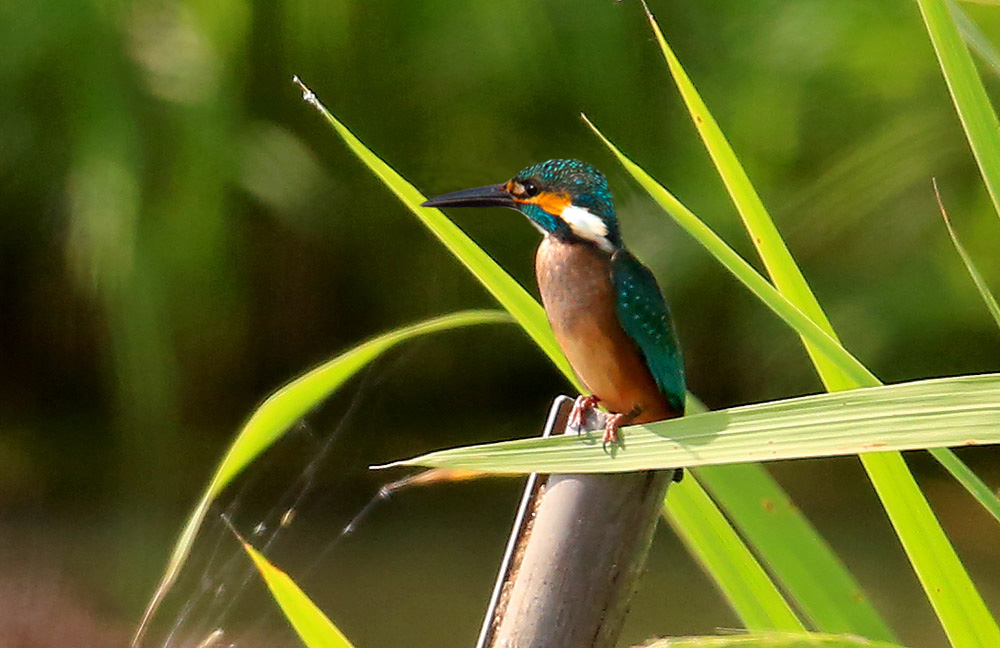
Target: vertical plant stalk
x=575 y=555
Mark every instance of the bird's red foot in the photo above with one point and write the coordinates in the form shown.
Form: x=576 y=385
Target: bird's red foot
x=578 y=415
x=611 y=425
x=615 y=421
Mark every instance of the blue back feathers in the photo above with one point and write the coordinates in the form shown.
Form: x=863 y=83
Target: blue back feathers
x=644 y=315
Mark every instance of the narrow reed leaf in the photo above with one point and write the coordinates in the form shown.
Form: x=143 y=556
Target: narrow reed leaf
x=279 y=412
x=977 y=278
x=972 y=483
x=784 y=272
x=511 y=295
x=941 y=412
x=958 y=604
x=967 y=92
x=945 y=581
x=826 y=592
x=752 y=594
x=828 y=346
x=690 y=520
x=314 y=628
x=532 y=319
x=771 y=640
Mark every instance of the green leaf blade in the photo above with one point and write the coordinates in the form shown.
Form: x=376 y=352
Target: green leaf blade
x=938 y=567
x=979 y=121
x=959 y=606
x=277 y=414
x=827 y=345
x=504 y=288
x=929 y=413
x=764 y=235
x=527 y=317
x=828 y=594
x=709 y=537
x=314 y=628
x=977 y=278
x=772 y=640
x=968 y=479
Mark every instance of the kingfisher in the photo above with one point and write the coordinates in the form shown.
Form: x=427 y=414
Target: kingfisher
x=605 y=307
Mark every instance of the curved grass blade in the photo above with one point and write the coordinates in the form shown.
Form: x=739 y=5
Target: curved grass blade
x=772 y=640
x=713 y=542
x=507 y=291
x=279 y=412
x=446 y=230
x=967 y=92
x=977 y=278
x=313 y=627
x=826 y=592
x=945 y=581
x=963 y=410
x=502 y=286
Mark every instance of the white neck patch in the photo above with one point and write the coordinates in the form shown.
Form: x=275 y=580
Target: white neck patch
x=587 y=226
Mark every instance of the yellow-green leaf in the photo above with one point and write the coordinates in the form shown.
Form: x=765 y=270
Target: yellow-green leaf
x=771 y=640
x=277 y=414
x=314 y=628
x=752 y=594
x=940 y=412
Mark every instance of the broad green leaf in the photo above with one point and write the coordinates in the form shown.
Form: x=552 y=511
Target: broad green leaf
x=826 y=592
x=771 y=640
x=532 y=319
x=713 y=542
x=967 y=92
x=280 y=411
x=313 y=627
x=945 y=581
x=496 y=280
x=977 y=278
x=963 y=410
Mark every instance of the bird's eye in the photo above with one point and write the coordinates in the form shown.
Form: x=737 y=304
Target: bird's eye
x=529 y=188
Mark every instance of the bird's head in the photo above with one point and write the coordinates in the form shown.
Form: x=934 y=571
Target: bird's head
x=563 y=198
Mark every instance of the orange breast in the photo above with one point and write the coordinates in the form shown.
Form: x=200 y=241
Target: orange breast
x=575 y=283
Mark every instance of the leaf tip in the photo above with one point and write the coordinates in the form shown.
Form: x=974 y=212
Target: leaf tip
x=940 y=202
x=391 y=464
x=307 y=94
x=649 y=14
x=229 y=523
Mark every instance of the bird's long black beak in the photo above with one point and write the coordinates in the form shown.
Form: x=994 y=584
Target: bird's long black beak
x=488 y=196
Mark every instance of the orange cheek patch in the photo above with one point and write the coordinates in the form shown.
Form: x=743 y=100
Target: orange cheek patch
x=552 y=202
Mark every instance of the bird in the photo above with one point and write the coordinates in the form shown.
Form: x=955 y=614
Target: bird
x=605 y=307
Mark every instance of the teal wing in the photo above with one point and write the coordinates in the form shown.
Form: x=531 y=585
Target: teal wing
x=644 y=315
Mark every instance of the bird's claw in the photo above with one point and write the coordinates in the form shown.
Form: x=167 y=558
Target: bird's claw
x=611 y=425
x=578 y=415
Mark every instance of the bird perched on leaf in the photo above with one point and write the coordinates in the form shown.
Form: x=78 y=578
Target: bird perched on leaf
x=605 y=307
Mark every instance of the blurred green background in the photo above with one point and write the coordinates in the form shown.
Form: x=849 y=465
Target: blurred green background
x=181 y=234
